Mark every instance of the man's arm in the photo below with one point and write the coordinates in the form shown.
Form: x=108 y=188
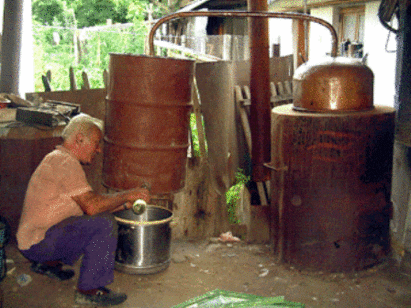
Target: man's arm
x=93 y=203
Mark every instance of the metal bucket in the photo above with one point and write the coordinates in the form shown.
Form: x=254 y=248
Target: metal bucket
x=148 y=109
x=143 y=241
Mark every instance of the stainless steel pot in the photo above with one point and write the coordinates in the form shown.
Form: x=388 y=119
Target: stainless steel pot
x=143 y=240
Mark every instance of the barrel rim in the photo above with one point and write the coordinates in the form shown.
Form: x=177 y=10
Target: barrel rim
x=146 y=223
x=143 y=56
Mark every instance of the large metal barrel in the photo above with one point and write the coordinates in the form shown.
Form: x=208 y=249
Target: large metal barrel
x=331 y=187
x=148 y=106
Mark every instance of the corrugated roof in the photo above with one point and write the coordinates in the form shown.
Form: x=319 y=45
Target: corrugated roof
x=298 y=5
x=215 y=5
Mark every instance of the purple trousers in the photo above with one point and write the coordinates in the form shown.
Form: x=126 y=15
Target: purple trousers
x=94 y=237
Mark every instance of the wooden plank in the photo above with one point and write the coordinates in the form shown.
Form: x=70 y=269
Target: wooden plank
x=86 y=83
x=48 y=74
x=199 y=120
x=268 y=186
x=242 y=101
x=239 y=100
x=46 y=83
x=283 y=95
x=288 y=87
x=105 y=78
x=73 y=85
x=261 y=193
x=273 y=90
x=281 y=89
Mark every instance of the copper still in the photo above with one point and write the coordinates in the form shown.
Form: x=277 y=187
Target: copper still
x=333 y=85
x=332 y=154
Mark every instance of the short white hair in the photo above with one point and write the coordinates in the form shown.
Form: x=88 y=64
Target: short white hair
x=81 y=123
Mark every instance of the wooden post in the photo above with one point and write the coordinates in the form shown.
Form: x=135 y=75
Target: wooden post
x=46 y=83
x=260 y=91
x=105 y=78
x=73 y=85
x=276 y=50
x=48 y=75
x=11 y=46
x=199 y=120
x=86 y=84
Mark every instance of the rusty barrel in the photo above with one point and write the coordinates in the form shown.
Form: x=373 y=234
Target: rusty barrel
x=331 y=187
x=148 y=107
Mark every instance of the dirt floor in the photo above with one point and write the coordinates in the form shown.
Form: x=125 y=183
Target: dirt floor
x=200 y=266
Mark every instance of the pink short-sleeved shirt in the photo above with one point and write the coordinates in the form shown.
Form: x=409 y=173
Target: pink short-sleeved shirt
x=48 y=200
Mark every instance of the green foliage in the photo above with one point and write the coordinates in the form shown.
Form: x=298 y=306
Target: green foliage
x=46 y=12
x=194 y=135
x=91 y=55
x=61 y=42
x=87 y=13
x=233 y=195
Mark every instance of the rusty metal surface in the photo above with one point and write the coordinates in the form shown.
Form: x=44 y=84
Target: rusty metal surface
x=147 y=121
x=260 y=97
x=331 y=187
x=333 y=85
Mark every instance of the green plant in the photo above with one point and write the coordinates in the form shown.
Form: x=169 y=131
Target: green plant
x=233 y=195
x=90 y=54
x=194 y=135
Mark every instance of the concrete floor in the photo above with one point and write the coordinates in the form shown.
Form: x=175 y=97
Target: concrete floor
x=200 y=266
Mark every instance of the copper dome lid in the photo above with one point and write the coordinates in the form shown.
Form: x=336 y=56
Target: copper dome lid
x=333 y=85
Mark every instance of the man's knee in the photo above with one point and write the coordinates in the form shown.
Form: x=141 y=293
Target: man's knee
x=106 y=223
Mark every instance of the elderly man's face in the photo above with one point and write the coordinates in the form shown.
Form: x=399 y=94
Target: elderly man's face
x=91 y=146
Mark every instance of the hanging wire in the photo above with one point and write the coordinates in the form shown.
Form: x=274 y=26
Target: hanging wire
x=386 y=11
x=386 y=43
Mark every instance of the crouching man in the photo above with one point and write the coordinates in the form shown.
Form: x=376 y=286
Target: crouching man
x=63 y=218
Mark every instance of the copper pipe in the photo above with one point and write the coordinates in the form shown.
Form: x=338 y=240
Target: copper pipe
x=260 y=97
x=241 y=14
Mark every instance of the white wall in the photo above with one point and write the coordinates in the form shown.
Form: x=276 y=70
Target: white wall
x=320 y=42
x=381 y=62
x=1 y=14
x=280 y=31
x=26 y=82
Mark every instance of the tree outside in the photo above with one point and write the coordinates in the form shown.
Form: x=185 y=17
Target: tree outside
x=80 y=34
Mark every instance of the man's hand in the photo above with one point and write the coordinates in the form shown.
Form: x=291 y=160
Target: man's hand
x=139 y=193
x=93 y=203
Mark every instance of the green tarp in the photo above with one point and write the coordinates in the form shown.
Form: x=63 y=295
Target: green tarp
x=221 y=298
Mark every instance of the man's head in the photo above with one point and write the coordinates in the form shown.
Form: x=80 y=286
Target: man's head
x=82 y=137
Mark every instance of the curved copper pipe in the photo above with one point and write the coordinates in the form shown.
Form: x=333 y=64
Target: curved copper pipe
x=240 y=14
